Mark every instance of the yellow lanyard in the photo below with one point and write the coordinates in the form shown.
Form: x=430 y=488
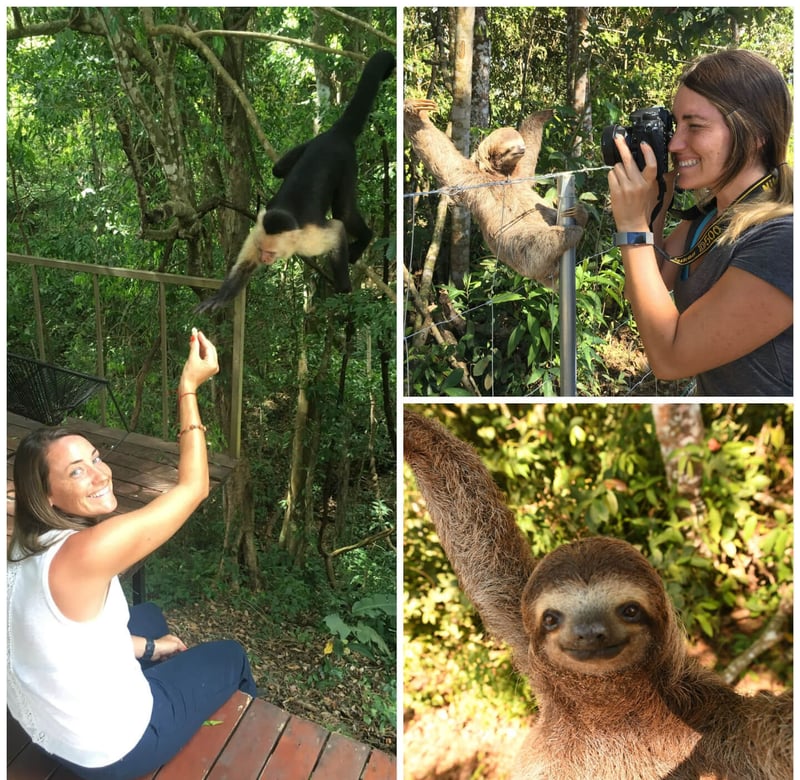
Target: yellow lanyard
x=714 y=229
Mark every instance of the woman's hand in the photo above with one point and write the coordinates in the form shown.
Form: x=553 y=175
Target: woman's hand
x=201 y=363
x=167 y=646
x=634 y=193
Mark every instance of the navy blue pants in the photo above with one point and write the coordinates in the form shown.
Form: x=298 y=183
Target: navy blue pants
x=187 y=689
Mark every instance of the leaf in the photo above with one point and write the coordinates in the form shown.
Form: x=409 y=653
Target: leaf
x=337 y=626
x=506 y=297
x=212 y=722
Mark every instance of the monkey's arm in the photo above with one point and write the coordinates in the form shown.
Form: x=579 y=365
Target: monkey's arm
x=487 y=550
x=240 y=273
x=433 y=147
x=286 y=163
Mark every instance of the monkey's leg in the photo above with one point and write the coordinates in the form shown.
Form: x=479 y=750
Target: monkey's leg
x=340 y=266
x=362 y=233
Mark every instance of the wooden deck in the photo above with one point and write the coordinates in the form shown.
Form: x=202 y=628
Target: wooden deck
x=255 y=740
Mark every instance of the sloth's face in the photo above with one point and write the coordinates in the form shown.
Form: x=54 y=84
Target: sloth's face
x=501 y=151
x=596 y=629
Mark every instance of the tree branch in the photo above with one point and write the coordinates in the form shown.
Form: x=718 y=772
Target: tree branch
x=193 y=38
x=771 y=635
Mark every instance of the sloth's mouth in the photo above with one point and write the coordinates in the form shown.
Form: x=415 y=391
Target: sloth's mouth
x=595 y=653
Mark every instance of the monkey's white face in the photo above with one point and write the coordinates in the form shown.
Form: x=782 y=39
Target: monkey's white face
x=595 y=629
x=273 y=247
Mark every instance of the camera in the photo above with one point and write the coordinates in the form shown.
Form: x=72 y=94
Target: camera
x=653 y=125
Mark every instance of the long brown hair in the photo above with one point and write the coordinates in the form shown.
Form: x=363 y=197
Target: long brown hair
x=752 y=96
x=33 y=513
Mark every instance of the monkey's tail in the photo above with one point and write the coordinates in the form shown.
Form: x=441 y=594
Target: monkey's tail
x=378 y=68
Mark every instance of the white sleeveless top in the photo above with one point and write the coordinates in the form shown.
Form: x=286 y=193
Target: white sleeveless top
x=75 y=687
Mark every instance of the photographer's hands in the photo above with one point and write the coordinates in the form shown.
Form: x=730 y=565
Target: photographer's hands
x=634 y=193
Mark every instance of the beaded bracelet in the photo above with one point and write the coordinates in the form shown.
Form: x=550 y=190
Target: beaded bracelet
x=192 y=427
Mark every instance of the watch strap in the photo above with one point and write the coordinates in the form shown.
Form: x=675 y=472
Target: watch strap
x=633 y=239
x=149 y=649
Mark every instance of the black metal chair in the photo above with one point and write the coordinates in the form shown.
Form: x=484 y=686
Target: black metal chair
x=49 y=394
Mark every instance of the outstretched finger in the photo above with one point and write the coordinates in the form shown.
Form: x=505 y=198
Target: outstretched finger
x=208 y=351
x=625 y=156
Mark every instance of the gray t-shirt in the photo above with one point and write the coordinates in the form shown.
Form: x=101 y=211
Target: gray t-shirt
x=766 y=252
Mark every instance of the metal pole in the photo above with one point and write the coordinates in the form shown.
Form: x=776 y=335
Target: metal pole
x=566 y=290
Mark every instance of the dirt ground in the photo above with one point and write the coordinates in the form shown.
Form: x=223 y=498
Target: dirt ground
x=283 y=666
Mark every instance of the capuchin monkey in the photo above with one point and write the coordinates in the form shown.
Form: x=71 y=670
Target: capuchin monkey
x=319 y=177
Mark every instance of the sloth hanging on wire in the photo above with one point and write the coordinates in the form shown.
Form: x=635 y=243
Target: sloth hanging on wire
x=516 y=223
x=319 y=177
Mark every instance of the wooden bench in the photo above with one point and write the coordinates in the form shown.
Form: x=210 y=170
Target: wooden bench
x=255 y=740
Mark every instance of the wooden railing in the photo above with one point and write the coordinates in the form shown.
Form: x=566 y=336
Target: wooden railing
x=161 y=279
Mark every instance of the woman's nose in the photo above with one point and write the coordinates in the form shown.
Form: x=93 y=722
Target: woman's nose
x=676 y=142
x=100 y=472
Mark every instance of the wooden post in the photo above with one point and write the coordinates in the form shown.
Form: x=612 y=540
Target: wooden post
x=237 y=374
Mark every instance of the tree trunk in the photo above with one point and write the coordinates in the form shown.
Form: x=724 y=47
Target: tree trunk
x=482 y=57
x=238 y=503
x=578 y=74
x=678 y=425
x=290 y=537
x=460 y=116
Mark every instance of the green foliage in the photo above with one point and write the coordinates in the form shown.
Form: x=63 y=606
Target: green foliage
x=511 y=345
x=370 y=630
x=570 y=471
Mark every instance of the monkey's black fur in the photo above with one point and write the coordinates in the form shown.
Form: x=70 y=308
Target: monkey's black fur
x=319 y=177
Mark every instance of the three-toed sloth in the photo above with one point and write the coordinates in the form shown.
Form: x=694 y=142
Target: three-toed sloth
x=517 y=224
x=591 y=627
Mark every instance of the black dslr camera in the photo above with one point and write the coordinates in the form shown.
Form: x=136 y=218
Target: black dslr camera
x=653 y=125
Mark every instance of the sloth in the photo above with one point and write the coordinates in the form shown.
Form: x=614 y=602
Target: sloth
x=592 y=629
x=517 y=224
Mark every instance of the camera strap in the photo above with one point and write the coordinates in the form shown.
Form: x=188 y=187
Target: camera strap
x=708 y=231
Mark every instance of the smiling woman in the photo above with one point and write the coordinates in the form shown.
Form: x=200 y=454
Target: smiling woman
x=80 y=483
x=729 y=260
x=106 y=689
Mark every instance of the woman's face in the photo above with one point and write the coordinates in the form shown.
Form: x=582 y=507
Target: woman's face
x=701 y=143
x=80 y=483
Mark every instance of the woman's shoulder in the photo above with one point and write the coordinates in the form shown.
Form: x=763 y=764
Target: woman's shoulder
x=50 y=541
x=766 y=251
x=779 y=226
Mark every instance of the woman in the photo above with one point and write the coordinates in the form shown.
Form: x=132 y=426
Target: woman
x=108 y=691
x=730 y=262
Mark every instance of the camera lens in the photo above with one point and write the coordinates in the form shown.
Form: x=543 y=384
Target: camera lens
x=608 y=146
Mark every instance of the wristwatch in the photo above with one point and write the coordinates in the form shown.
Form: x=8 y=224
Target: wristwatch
x=149 y=649
x=633 y=239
